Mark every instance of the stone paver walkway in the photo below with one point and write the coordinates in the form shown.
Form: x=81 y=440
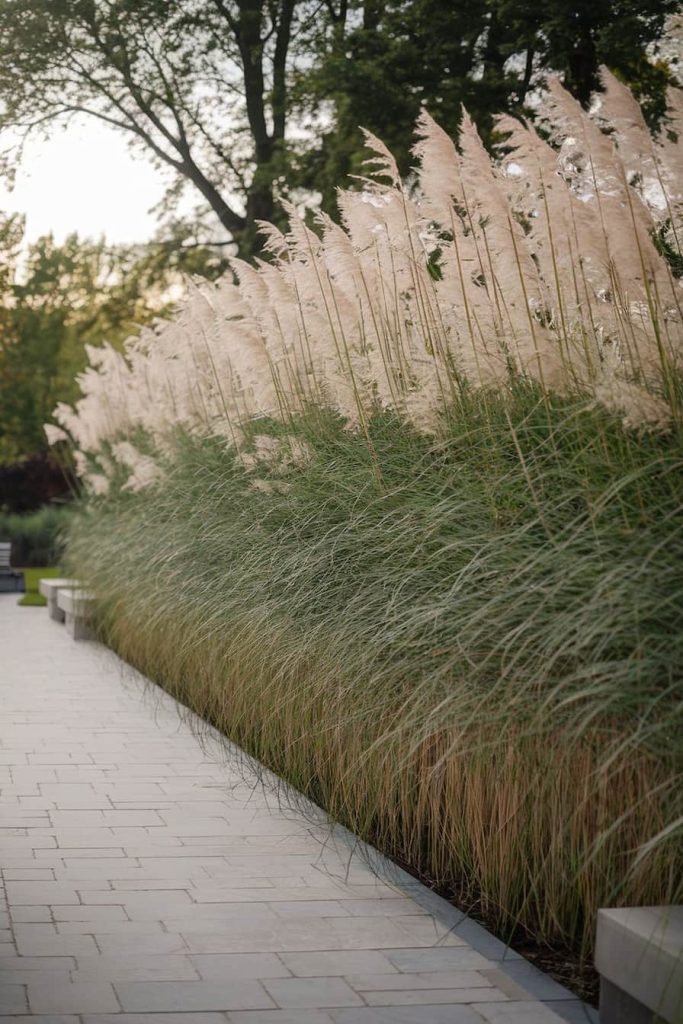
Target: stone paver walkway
x=145 y=879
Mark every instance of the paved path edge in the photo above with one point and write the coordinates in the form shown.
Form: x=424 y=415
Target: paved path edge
x=543 y=987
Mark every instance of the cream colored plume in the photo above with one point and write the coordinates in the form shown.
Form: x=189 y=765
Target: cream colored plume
x=537 y=264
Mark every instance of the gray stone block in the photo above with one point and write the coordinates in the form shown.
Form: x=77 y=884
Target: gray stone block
x=639 y=952
x=77 y=606
x=573 y=1011
x=49 y=589
x=618 y=1007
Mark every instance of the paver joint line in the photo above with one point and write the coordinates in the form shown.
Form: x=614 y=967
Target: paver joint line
x=143 y=878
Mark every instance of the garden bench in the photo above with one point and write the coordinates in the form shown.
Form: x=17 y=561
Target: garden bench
x=78 y=606
x=49 y=588
x=10 y=580
x=639 y=956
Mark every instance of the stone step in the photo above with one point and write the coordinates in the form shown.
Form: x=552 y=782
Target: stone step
x=78 y=605
x=49 y=588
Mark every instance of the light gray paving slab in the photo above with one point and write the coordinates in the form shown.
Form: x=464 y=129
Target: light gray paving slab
x=13 y=998
x=431 y=997
x=312 y=965
x=127 y=929
x=55 y=945
x=148 y=881
x=51 y=1018
x=55 y=996
x=9 y=965
x=420 y=982
x=407 y=1015
x=135 y=967
x=159 y=1018
x=41 y=893
x=280 y=1017
x=239 y=965
x=165 y=996
x=311 y=993
x=437 y=959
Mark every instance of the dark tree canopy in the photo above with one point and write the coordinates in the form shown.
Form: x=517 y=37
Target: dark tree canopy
x=379 y=62
x=54 y=301
x=241 y=98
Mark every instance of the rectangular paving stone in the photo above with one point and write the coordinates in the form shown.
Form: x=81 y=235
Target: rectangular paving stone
x=13 y=998
x=50 y=1018
x=373 y=932
x=89 y=839
x=131 y=967
x=55 y=996
x=339 y=963
x=295 y=935
x=309 y=908
x=279 y=1017
x=127 y=929
x=420 y=997
x=56 y=945
x=139 y=945
x=144 y=903
x=18 y=821
x=158 y=996
x=159 y=1018
x=87 y=912
x=408 y=1015
x=239 y=965
x=311 y=993
x=437 y=959
x=403 y=982
x=28 y=874
x=40 y=893
x=112 y=818
x=11 y=964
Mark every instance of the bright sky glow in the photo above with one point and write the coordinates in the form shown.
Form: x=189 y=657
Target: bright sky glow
x=85 y=179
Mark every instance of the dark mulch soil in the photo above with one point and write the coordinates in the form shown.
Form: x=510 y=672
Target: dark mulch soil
x=564 y=965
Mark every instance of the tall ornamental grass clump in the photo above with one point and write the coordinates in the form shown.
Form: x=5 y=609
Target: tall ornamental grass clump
x=399 y=510
x=475 y=664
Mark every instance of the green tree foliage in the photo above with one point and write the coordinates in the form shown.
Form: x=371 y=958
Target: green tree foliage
x=238 y=98
x=379 y=62
x=55 y=299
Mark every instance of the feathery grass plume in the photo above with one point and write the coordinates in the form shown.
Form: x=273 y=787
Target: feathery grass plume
x=620 y=114
x=592 y=169
x=143 y=471
x=669 y=150
x=461 y=287
x=539 y=265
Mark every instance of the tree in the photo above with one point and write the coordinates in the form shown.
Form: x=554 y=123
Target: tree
x=576 y=38
x=201 y=87
x=54 y=301
x=379 y=62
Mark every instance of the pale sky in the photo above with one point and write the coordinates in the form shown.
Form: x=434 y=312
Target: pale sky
x=85 y=179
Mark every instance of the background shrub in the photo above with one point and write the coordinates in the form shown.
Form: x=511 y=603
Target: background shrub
x=38 y=538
